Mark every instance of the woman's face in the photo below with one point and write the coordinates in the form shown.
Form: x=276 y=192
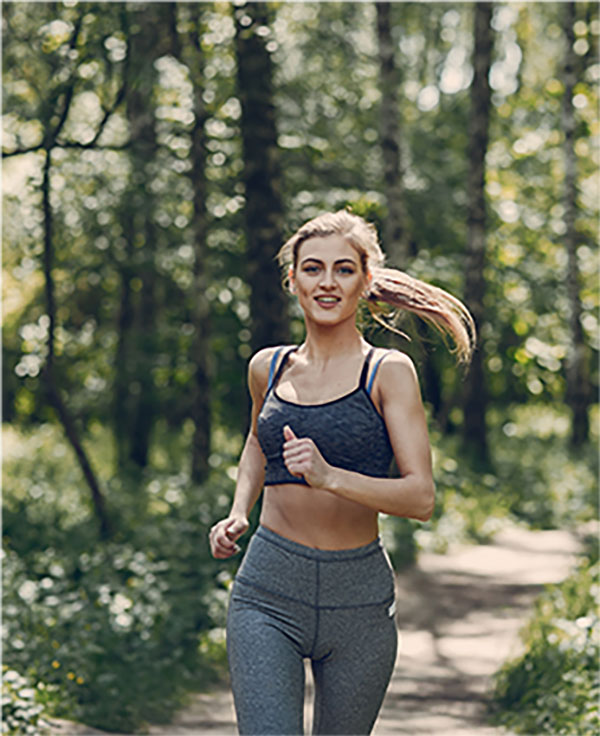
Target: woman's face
x=328 y=279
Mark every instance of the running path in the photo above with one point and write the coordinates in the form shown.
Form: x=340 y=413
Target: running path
x=459 y=615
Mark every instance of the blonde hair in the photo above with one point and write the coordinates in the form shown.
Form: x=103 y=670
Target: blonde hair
x=387 y=285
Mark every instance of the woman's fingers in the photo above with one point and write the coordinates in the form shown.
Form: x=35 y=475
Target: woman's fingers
x=236 y=528
x=288 y=433
x=294 y=450
x=297 y=456
x=223 y=536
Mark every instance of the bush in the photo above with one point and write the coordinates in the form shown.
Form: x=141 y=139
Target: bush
x=549 y=483
x=554 y=686
x=533 y=478
x=21 y=707
x=119 y=631
x=127 y=632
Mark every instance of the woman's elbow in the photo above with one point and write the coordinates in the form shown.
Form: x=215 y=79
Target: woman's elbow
x=426 y=502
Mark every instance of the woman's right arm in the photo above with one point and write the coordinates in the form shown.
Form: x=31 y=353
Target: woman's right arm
x=251 y=469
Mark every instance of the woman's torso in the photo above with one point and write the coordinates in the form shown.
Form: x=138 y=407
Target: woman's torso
x=335 y=410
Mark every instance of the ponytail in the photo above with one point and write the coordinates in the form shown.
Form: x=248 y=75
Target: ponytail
x=430 y=303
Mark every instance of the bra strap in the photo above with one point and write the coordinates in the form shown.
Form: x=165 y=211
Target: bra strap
x=365 y=369
x=274 y=378
x=374 y=373
x=272 y=367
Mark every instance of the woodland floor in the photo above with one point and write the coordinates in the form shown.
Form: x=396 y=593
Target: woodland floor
x=459 y=615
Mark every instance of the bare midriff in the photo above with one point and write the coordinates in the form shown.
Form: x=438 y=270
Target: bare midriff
x=317 y=518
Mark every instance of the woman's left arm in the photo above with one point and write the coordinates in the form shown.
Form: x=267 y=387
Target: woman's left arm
x=412 y=495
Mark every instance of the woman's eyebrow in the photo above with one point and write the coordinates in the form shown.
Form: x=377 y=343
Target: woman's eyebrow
x=318 y=260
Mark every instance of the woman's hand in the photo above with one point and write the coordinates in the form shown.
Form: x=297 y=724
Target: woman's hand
x=224 y=534
x=303 y=459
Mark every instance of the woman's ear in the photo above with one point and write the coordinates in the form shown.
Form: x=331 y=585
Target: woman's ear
x=291 y=285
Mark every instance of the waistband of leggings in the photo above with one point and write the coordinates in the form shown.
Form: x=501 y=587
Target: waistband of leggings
x=320 y=555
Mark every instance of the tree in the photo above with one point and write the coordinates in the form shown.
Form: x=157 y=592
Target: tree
x=396 y=235
x=264 y=211
x=53 y=111
x=475 y=399
x=189 y=48
x=577 y=394
x=135 y=406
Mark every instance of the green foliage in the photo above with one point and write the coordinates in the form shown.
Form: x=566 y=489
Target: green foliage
x=554 y=687
x=118 y=631
x=400 y=541
x=327 y=96
x=22 y=704
x=534 y=478
x=549 y=484
x=121 y=629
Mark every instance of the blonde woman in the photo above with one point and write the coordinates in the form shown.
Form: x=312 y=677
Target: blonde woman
x=328 y=417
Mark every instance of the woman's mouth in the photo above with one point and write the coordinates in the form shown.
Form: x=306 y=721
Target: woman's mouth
x=327 y=302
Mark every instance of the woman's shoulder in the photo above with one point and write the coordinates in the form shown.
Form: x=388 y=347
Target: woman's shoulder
x=262 y=364
x=391 y=356
x=394 y=366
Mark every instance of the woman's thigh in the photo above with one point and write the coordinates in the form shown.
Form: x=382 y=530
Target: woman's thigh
x=352 y=678
x=265 y=651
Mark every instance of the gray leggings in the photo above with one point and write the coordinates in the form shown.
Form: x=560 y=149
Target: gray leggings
x=290 y=602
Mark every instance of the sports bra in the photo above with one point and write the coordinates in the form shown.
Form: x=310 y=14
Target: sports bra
x=349 y=431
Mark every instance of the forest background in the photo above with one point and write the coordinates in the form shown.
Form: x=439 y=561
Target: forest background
x=155 y=156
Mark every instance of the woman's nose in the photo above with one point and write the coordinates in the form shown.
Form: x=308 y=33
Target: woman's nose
x=327 y=278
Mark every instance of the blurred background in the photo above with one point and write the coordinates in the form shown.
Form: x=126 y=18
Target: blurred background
x=155 y=157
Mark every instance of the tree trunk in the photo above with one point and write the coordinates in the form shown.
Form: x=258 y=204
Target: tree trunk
x=192 y=56
x=48 y=374
x=577 y=374
x=396 y=226
x=52 y=131
x=475 y=397
x=121 y=395
x=262 y=177
x=134 y=385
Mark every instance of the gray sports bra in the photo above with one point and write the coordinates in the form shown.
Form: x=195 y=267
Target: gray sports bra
x=349 y=431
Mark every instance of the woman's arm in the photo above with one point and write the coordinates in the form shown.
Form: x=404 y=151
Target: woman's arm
x=251 y=468
x=412 y=496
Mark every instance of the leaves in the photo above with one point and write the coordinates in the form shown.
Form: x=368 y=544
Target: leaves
x=554 y=686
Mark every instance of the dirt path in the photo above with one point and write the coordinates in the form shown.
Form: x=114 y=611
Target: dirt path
x=460 y=621
x=459 y=616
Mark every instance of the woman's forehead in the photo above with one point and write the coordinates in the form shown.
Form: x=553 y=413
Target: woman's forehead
x=327 y=248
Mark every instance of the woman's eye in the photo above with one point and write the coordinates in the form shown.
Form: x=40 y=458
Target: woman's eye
x=310 y=269
x=346 y=270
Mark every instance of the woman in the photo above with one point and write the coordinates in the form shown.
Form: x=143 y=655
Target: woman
x=328 y=417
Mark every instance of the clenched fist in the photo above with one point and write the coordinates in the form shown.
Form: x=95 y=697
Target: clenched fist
x=224 y=534
x=303 y=459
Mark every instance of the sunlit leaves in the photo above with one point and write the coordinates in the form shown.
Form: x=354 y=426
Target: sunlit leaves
x=553 y=686
x=328 y=97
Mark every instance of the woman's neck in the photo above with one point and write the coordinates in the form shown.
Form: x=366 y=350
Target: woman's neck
x=323 y=343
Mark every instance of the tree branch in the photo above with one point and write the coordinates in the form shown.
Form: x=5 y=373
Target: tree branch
x=69 y=90
x=19 y=151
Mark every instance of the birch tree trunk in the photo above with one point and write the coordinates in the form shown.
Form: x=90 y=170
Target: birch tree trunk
x=262 y=176
x=475 y=396
x=577 y=374
x=396 y=226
